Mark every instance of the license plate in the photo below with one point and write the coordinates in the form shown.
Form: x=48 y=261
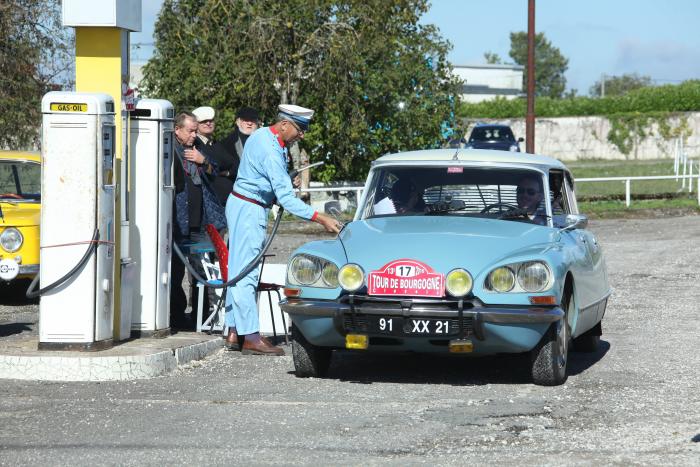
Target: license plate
x=396 y=326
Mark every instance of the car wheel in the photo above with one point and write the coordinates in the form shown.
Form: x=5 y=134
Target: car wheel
x=309 y=360
x=589 y=340
x=550 y=356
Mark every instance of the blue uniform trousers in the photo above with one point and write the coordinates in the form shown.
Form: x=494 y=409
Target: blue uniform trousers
x=247 y=224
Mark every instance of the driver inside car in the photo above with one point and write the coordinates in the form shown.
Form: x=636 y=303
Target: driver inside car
x=529 y=197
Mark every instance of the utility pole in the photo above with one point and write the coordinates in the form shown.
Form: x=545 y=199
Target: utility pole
x=530 y=117
x=602 y=85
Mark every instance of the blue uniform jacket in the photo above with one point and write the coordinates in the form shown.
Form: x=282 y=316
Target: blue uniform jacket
x=263 y=176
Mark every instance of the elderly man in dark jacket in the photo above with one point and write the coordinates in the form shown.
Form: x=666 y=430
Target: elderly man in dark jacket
x=195 y=206
x=228 y=151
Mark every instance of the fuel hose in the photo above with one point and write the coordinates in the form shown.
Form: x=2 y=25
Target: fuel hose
x=32 y=293
x=254 y=263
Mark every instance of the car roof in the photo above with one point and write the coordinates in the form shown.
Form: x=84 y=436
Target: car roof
x=489 y=156
x=20 y=155
x=491 y=125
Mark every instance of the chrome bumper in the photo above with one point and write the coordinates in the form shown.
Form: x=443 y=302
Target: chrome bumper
x=421 y=308
x=28 y=269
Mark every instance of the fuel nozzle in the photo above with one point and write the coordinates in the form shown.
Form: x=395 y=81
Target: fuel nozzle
x=294 y=172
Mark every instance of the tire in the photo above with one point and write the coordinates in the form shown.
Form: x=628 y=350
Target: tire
x=309 y=360
x=550 y=356
x=589 y=340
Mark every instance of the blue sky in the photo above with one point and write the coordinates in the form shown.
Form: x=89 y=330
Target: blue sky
x=649 y=37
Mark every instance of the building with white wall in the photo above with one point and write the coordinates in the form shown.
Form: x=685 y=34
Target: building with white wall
x=484 y=82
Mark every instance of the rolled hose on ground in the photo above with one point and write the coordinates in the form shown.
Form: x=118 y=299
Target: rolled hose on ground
x=31 y=293
x=252 y=265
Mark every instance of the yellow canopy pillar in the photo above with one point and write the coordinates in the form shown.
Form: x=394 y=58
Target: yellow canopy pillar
x=102 y=65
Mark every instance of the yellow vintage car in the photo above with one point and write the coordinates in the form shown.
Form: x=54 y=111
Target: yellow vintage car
x=20 y=204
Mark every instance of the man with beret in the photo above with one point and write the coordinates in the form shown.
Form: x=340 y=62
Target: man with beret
x=228 y=152
x=262 y=178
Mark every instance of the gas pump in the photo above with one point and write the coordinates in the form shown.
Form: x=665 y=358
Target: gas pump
x=77 y=214
x=150 y=206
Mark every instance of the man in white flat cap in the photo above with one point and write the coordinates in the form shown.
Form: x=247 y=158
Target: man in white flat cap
x=205 y=124
x=262 y=178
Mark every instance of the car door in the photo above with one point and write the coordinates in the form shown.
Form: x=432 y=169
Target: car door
x=584 y=254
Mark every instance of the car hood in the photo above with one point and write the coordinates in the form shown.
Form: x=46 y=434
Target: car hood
x=19 y=214
x=443 y=242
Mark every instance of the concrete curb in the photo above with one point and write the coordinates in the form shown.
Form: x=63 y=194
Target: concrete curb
x=147 y=358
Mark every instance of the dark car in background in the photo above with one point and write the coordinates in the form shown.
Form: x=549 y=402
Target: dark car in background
x=493 y=136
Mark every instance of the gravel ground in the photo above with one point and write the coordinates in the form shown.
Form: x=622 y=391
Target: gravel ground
x=635 y=401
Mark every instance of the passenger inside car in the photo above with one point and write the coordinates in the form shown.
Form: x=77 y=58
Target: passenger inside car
x=407 y=197
x=401 y=198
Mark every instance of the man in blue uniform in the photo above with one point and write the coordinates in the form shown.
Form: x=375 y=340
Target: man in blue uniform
x=262 y=178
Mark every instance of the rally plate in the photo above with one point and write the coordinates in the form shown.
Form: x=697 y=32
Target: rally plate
x=406 y=277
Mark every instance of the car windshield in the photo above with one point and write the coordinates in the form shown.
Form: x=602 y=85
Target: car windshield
x=492 y=134
x=501 y=193
x=20 y=181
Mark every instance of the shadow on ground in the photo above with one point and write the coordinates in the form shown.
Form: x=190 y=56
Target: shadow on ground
x=13 y=293
x=368 y=368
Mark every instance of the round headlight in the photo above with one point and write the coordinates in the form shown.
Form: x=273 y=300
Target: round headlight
x=306 y=270
x=458 y=283
x=11 y=239
x=533 y=276
x=351 y=277
x=502 y=279
x=330 y=275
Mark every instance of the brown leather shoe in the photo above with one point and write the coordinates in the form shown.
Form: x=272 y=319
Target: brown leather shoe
x=231 y=342
x=255 y=344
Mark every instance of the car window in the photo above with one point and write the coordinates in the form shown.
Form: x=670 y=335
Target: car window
x=491 y=134
x=460 y=191
x=20 y=180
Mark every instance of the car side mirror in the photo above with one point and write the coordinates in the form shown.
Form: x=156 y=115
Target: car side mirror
x=575 y=221
x=521 y=139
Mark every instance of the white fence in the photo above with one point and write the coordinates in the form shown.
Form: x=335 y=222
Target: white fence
x=626 y=180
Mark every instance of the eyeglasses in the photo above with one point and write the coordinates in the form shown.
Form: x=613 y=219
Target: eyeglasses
x=206 y=122
x=529 y=191
x=296 y=127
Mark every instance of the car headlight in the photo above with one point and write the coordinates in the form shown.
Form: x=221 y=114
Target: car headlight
x=330 y=275
x=521 y=277
x=502 y=279
x=305 y=269
x=351 y=277
x=11 y=239
x=458 y=283
x=533 y=276
x=513 y=148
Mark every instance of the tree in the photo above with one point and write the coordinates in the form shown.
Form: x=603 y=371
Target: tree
x=619 y=85
x=358 y=63
x=550 y=64
x=492 y=58
x=35 y=56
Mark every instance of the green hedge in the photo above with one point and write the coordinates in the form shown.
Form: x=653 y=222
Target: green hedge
x=684 y=97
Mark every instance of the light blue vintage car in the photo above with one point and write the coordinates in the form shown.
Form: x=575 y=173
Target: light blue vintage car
x=470 y=252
